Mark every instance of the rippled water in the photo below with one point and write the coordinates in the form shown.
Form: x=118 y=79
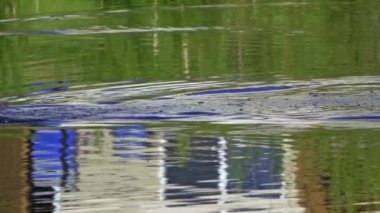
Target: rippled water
x=201 y=106
x=318 y=102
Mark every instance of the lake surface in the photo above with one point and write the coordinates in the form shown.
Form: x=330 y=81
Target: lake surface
x=192 y=106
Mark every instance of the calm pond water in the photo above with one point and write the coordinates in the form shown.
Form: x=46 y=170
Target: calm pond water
x=192 y=106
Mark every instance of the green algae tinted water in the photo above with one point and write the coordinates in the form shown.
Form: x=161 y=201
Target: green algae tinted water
x=193 y=106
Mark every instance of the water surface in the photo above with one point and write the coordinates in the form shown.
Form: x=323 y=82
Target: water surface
x=201 y=106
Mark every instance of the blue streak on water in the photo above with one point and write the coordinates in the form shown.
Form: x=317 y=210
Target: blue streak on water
x=374 y=117
x=130 y=131
x=251 y=89
x=144 y=117
x=198 y=113
x=47 y=90
x=4 y=120
x=124 y=140
x=35 y=84
x=109 y=102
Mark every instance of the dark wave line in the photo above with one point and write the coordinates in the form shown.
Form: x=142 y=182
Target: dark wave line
x=249 y=89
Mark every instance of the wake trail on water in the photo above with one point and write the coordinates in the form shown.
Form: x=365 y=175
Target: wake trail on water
x=344 y=101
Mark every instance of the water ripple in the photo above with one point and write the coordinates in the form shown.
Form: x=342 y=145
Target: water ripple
x=297 y=103
x=107 y=30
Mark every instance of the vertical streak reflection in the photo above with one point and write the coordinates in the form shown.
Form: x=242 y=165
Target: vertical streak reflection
x=162 y=170
x=289 y=188
x=223 y=173
x=185 y=55
x=156 y=41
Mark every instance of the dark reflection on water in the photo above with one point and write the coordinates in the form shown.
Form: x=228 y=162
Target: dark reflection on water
x=131 y=164
x=53 y=167
x=143 y=168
